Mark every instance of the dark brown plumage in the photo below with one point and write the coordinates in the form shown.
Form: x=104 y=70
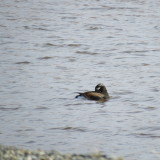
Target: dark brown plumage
x=100 y=94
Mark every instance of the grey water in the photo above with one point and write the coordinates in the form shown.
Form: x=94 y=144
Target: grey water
x=52 y=49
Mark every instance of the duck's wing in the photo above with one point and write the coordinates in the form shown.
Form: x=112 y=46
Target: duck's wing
x=93 y=96
x=85 y=94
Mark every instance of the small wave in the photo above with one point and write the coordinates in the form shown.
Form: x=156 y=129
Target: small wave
x=42 y=29
x=9 y=108
x=146 y=135
x=37 y=28
x=87 y=52
x=41 y=107
x=53 y=45
x=25 y=130
x=134 y=112
x=74 y=45
x=151 y=108
x=69 y=18
x=93 y=28
x=23 y=62
x=45 y=58
x=50 y=44
x=69 y=129
x=150 y=128
x=30 y=142
x=123 y=92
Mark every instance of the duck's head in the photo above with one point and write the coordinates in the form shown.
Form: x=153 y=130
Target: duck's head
x=100 y=88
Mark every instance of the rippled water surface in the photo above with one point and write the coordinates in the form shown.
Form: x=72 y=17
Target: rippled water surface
x=54 y=48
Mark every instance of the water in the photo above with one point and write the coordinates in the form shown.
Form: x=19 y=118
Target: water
x=54 y=48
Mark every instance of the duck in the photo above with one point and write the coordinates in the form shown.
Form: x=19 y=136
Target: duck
x=100 y=93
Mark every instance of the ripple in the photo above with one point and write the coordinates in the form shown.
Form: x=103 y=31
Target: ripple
x=23 y=62
x=135 y=112
x=145 y=64
x=9 y=108
x=30 y=142
x=150 y=128
x=41 y=107
x=87 y=52
x=53 y=45
x=42 y=29
x=69 y=129
x=123 y=92
x=146 y=135
x=45 y=58
x=24 y=130
x=151 y=108
x=74 y=45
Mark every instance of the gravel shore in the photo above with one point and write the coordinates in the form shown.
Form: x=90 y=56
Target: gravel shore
x=13 y=153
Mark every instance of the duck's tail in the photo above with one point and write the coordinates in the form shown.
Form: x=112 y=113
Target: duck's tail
x=79 y=94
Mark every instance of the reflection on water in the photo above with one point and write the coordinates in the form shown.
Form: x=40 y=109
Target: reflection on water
x=50 y=50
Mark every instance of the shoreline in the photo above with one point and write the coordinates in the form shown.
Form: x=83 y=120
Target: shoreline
x=16 y=153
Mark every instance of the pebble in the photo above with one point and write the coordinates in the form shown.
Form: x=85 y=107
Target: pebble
x=14 y=153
